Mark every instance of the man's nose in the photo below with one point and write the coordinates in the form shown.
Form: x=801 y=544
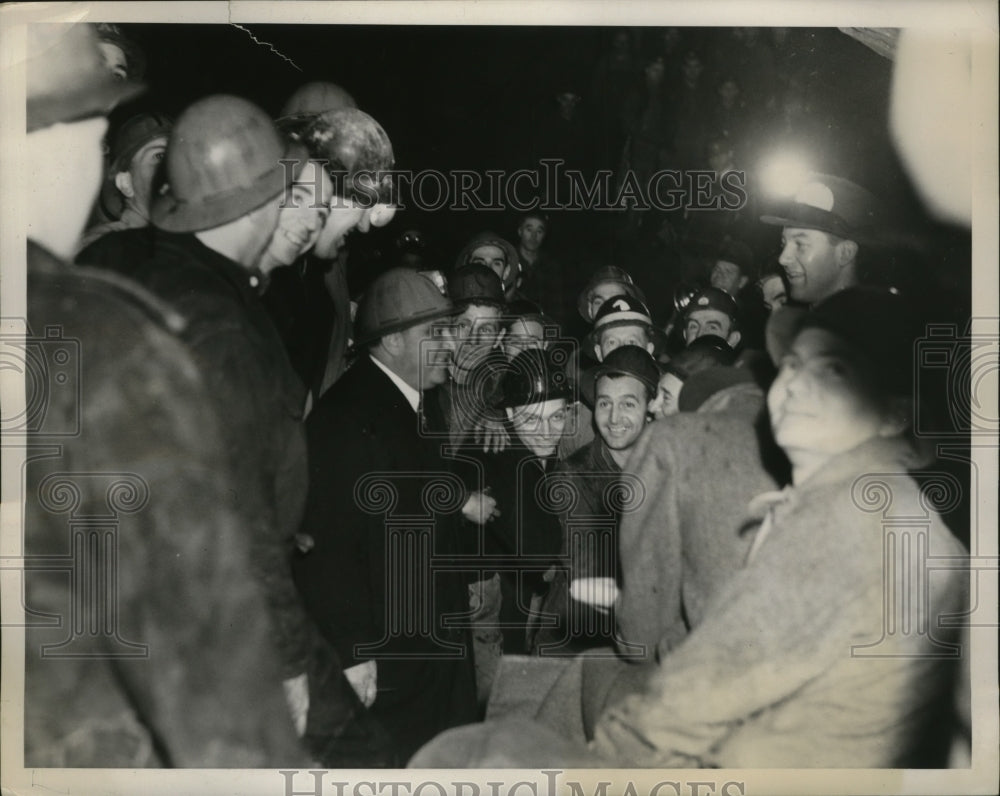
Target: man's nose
x=786 y=255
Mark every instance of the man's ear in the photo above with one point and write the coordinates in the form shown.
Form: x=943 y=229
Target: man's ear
x=743 y=281
x=510 y=413
x=597 y=354
x=650 y=347
x=392 y=343
x=734 y=339
x=123 y=182
x=847 y=251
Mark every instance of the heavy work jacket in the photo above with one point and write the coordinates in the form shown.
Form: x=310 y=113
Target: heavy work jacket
x=382 y=514
x=258 y=399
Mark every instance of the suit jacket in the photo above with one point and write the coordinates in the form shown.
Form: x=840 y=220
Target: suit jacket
x=381 y=504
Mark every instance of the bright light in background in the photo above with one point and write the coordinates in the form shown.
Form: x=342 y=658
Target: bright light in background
x=782 y=174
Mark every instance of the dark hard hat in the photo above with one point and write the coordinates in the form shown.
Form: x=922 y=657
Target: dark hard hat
x=829 y=204
x=609 y=273
x=522 y=309
x=396 y=300
x=707 y=351
x=535 y=376
x=132 y=136
x=628 y=360
x=355 y=149
x=66 y=77
x=224 y=159
x=712 y=298
x=476 y=284
x=315 y=98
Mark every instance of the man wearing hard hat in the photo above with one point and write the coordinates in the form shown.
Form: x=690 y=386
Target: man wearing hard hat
x=228 y=170
x=370 y=465
x=308 y=297
x=174 y=640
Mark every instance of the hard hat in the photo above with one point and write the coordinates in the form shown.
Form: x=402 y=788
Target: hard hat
x=627 y=360
x=535 y=376
x=351 y=144
x=712 y=298
x=315 y=98
x=224 y=159
x=476 y=284
x=490 y=239
x=396 y=300
x=609 y=273
x=66 y=77
x=626 y=310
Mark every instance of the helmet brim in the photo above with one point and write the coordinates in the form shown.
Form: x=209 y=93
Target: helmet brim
x=174 y=215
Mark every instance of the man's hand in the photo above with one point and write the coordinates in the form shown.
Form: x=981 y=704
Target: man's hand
x=364 y=680
x=492 y=435
x=480 y=508
x=297 y=697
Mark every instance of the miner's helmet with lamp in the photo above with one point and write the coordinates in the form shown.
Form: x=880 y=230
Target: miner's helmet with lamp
x=224 y=159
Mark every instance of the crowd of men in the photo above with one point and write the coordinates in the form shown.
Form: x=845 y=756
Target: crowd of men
x=363 y=513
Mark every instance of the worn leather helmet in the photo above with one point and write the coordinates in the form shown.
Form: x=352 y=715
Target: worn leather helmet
x=396 y=300
x=224 y=159
x=66 y=76
x=315 y=98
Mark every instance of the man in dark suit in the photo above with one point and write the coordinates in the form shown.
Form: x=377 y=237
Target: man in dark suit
x=382 y=510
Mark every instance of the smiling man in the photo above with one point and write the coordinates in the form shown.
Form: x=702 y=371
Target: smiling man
x=308 y=297
x=622 y=390
x=821 y=228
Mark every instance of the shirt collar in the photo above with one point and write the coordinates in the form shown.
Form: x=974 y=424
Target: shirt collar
x=411 y=395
